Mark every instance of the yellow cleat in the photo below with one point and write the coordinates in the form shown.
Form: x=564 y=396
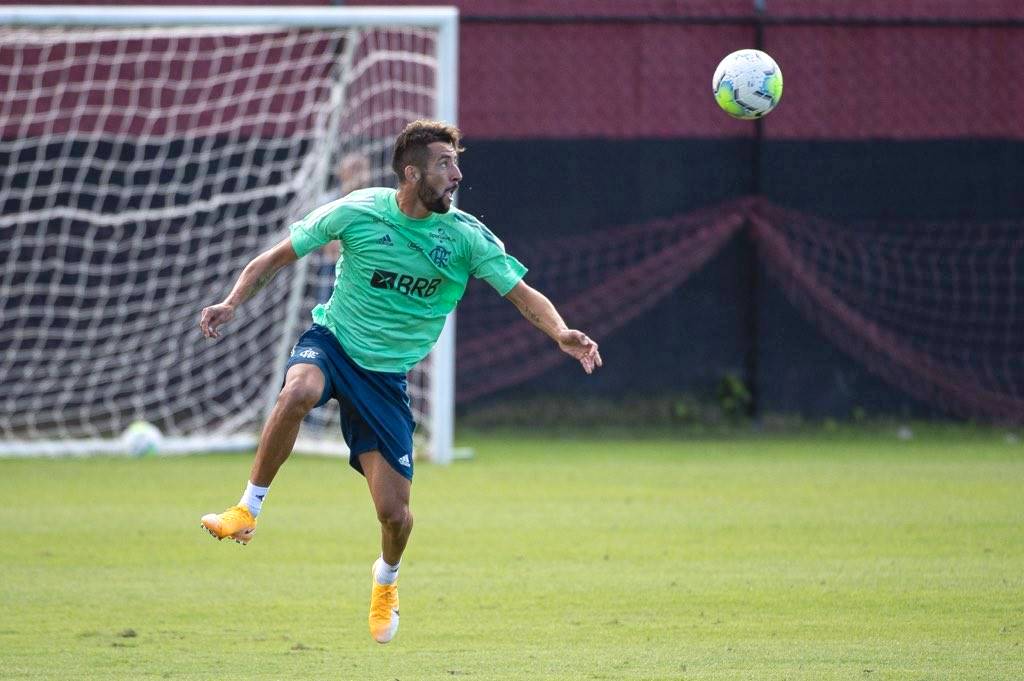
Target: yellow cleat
x=383 y=612
x=235 y=523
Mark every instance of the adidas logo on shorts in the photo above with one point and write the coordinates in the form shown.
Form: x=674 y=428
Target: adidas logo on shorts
x=404 y=460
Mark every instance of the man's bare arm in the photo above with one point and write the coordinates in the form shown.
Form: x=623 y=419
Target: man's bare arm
x=253 y=279
x=536 y=307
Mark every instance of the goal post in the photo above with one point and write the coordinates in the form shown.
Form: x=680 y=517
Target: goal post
x=146 y=154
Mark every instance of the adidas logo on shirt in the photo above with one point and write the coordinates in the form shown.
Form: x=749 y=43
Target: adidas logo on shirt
x=386 y=240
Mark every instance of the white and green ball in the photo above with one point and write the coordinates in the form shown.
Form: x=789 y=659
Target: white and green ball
x=747 y=84
x=141 y=438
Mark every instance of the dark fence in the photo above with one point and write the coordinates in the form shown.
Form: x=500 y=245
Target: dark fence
x=888 y=277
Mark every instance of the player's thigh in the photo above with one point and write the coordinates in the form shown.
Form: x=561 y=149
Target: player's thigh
x=389 y=489
x=303 y=386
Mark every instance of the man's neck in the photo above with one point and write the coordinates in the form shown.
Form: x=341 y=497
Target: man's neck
x=409 y=203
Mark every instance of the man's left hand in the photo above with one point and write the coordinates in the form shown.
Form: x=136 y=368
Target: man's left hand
x=580 y=346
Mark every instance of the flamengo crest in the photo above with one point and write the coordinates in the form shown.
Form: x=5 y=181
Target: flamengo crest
x=440 y=256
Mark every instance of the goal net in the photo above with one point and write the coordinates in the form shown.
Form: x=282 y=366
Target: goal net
x=145 y=157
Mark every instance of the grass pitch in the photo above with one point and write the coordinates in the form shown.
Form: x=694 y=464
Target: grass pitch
x=834 y=558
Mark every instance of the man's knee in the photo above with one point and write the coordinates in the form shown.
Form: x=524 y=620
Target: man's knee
x=299 y=396
x=395 y=517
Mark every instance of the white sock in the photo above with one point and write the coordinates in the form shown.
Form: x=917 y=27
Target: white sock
x=252 y=498
x=384 y=573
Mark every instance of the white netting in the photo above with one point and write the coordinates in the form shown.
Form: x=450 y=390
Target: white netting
x=140 y=170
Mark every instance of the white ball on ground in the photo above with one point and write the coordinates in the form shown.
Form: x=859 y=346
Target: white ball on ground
x=142 y=438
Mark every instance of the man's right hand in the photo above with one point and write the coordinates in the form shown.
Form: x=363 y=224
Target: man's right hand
x=213 y=316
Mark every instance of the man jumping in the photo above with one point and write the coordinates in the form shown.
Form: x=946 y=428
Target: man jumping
x=407 y=257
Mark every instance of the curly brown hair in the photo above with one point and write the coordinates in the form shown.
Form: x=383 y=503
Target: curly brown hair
x=411 y=144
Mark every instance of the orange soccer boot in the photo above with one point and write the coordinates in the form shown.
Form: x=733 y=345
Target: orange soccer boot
x=383 y=610
x=235 y=523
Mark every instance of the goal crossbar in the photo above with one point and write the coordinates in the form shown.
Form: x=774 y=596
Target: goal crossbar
x=442 y=18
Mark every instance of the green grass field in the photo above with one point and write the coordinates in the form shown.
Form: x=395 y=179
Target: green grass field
x=843 y=557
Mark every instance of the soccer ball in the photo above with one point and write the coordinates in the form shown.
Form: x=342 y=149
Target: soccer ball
x=747 y=84
x=142 y=439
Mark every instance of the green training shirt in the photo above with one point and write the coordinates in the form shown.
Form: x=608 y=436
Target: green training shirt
x=398 y=277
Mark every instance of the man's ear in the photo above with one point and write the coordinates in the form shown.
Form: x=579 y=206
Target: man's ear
x=412 y=173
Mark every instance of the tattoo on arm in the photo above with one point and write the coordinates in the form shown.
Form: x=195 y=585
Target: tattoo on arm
x=260 y=283
x=244 y=290
x=547 y=321
x=539 y=311
x=531 y=315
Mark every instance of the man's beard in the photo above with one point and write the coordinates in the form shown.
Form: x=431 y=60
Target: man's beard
x=432 y=201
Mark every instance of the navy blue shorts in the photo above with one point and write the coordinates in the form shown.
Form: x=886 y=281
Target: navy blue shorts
x=375 y=411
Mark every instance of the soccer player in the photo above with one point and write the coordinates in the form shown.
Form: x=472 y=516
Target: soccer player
x=406 y=261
